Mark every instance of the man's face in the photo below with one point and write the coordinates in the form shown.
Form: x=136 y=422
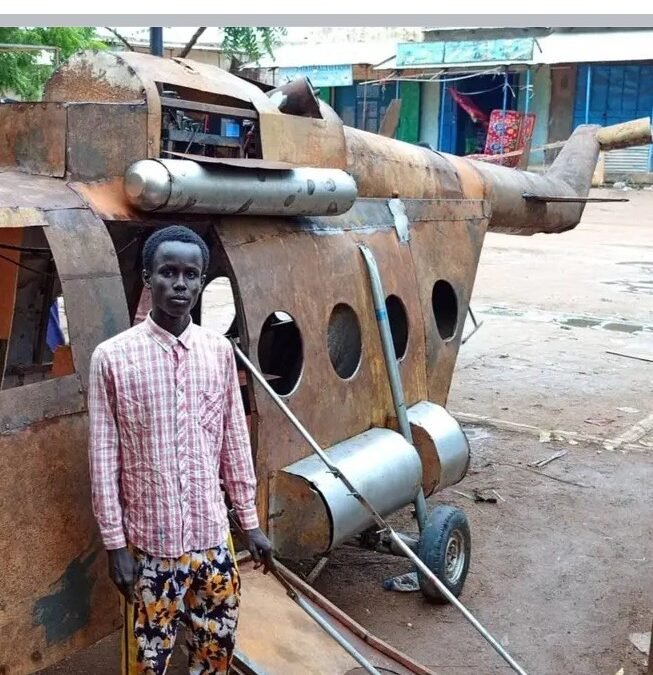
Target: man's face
x=176 y=277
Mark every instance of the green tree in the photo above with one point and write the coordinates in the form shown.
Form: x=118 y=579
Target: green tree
x=20 y=70
x=241 y=43
x=251 y=43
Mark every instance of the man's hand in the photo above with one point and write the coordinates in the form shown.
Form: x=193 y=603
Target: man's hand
x=123 y=570
x=261 y=549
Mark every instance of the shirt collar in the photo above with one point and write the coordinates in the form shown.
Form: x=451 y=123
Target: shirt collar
x=168 y=340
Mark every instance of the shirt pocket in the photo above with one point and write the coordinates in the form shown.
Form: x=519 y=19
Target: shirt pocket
x=210 y=411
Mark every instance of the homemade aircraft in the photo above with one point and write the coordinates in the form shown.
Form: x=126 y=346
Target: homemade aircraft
x=310 y=221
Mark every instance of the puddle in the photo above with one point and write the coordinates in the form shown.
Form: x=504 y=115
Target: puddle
x=636 y=286
x=623 y=327
x=570 y=321
x=580 y=323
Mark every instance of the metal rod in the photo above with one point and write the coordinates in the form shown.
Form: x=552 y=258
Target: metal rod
x=588 y=84
x=505 y=91
x=314 y=614
x=528 y=91
x=454 y=601
x=443 y=94
x=325 y=625
x=377 y=517
x=392 y=367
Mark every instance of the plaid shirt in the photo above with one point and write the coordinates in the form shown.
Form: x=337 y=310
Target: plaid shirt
x=165 y=418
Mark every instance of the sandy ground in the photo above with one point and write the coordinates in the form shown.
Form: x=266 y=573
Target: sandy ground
x=561 y=573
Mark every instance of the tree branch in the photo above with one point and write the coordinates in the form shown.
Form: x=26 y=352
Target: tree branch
x=120 y=37
x=191 y=43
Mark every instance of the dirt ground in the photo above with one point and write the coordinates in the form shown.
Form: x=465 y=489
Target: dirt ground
x=561 y=572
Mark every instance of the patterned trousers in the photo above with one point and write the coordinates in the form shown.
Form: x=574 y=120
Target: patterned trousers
x=202 y=589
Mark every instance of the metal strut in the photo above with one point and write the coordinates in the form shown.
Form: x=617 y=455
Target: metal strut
x=375 y=514
x=394 y=376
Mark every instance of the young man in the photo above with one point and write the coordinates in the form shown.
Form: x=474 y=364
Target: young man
x=166 y=417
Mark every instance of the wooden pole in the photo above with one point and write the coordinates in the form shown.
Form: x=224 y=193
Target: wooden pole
x=626 y=135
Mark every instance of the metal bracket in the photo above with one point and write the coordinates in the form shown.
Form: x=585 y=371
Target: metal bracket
x=477 y=325
x=398 y=211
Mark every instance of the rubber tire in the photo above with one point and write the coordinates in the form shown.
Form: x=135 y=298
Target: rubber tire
x=432 y=549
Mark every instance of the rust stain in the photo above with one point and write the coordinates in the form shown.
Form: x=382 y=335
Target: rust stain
x=63 y=362
x=107 y=199
x=33 y=137
x=8 y=280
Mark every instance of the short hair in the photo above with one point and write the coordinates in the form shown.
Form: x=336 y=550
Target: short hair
x=173 y=233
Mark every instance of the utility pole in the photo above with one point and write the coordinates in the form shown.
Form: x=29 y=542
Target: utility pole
x=156 y=41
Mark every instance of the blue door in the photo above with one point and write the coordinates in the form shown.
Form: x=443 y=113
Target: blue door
x=618 y=93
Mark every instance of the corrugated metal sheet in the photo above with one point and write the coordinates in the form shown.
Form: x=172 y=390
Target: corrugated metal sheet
x=628 y=160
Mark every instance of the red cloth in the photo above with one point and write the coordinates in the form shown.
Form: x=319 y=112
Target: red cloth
x=468 y=105
x=166 y=417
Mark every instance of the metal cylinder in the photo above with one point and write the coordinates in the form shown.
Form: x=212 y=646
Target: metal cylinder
x=312 y=510
x=185 y=186
x=442 y=445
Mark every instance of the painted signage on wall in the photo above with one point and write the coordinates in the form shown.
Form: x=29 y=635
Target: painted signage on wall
x=320 y=76
x=464 y=51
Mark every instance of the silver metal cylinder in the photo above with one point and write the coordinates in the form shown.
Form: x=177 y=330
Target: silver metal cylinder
x=313 y=508
x=185 y=186
x=443 y=446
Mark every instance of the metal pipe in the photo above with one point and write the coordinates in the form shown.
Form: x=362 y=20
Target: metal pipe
x=314 y=614
x=325 y=625
x=392 y=367
x=452 y=598
x=588 y=85
x=505 y=90
x=377 y=517
x=443 y=94
x=185 y=186
x=528 y=91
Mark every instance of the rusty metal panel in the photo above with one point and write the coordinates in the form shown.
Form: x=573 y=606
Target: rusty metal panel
x=104 y=139
x=22 y=406
x=33 y=137
x=8 y=278
x=383 y=166
x=303 y=141
x=94 y=77
x=27 y=194
x=92 y=284
x=108 y=201
x=458 y=228
x=279 y=266
x=297 y=508
x=57 y=597
x=21 y=217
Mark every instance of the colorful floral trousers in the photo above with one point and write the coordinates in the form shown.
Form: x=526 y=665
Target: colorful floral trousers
x=202 y=589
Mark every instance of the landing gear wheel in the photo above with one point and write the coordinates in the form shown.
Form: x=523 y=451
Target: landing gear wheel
x=445 y=547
